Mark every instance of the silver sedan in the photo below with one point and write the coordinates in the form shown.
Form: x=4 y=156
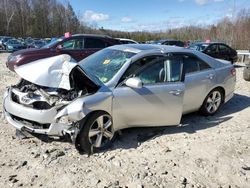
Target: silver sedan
x=116 y=88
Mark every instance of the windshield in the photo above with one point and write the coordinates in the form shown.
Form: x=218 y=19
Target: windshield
x=105 y=63
x=53 y=42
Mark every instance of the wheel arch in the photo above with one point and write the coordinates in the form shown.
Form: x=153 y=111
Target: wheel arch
x=219 y=88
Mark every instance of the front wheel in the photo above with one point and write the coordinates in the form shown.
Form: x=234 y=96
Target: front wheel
x=212 y=102
x=97 y=132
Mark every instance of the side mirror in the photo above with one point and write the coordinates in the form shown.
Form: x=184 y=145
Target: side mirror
x=208 y=51
x=134 y=83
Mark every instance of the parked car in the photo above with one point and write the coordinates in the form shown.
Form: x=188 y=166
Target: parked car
x=37 y=44
x=14 y=45
x=172 y=42
x=126 y=41
x=216 y=50
x=3 y=42
x=116 y=88
x=77 y=46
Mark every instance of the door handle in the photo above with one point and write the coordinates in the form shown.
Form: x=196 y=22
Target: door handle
x=210 y=76
x=176 y=92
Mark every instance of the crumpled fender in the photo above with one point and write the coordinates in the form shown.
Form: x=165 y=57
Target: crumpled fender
x=81 y=107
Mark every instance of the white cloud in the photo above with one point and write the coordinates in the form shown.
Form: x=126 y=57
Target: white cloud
x=91 y=16
x=126 y=19
x=203 y=2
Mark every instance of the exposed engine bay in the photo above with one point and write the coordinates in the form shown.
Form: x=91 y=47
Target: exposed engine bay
x=49 y=104
x=39 y=97
x=43 y=97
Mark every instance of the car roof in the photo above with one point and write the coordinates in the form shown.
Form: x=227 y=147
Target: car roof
x=91 y=35
x=207 y=43
x=136 y=48
x=149 y=49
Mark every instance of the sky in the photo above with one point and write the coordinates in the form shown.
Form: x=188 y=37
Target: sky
x=154 y=15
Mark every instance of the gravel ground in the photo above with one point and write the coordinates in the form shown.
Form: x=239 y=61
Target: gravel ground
x=202 y=152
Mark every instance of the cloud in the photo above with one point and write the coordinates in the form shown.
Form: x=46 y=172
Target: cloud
x=203 y=2
x=126 y=19
x=91 y=16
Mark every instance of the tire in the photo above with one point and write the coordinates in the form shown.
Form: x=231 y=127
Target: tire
x=96 y=134
x=212 y=102
x=246 y=73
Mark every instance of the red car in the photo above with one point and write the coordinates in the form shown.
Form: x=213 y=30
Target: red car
x=77 y=46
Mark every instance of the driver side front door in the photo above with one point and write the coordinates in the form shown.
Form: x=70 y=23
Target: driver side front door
x=158 y=102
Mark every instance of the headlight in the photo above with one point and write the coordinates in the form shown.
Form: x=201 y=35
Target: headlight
x=14 y=58
x=10 y=47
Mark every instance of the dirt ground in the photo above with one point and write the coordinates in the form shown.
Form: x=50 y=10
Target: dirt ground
x=202 y=152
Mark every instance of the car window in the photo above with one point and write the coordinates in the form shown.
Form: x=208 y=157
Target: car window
x=161 y=70
x=212 y=48
x=223 y=48
x=137 y=65
x=94 y=43
x=73 y=44
x=194 y=64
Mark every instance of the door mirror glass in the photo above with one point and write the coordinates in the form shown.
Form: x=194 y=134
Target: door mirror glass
x=134 y=83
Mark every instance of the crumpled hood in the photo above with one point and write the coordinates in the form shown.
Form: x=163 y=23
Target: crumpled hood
x=49 y=72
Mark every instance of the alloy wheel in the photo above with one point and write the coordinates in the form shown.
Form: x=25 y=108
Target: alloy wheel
x=101 y=131
x=213 y=101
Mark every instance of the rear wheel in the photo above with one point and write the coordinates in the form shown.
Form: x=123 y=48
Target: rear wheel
x=212 y=102
x=97 y=133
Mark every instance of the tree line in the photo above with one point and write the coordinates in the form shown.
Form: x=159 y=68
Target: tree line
x=51 y=18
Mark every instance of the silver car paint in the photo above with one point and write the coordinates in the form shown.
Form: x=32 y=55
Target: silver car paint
x=50 y=72
x=146 y=106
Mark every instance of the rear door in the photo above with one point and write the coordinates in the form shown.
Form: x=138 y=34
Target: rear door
x=199 y=79
x=158 y=103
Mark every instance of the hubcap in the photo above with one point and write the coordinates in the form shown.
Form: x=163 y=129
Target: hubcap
x=213 y=102
x=101 y=131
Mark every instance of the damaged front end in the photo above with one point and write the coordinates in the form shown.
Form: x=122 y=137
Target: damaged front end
x=39 y=105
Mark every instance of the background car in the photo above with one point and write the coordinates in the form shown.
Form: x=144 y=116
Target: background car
x=3 y=42
x=78 y=47
x=216 y=50
x=172 y=42
x=14 y=45
x=118 y=87
x=126 y=41
x=37 y=44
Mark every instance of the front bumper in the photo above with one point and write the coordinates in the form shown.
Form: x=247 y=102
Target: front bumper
x=33 y=121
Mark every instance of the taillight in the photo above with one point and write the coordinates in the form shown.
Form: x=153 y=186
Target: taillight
x=233 y=71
